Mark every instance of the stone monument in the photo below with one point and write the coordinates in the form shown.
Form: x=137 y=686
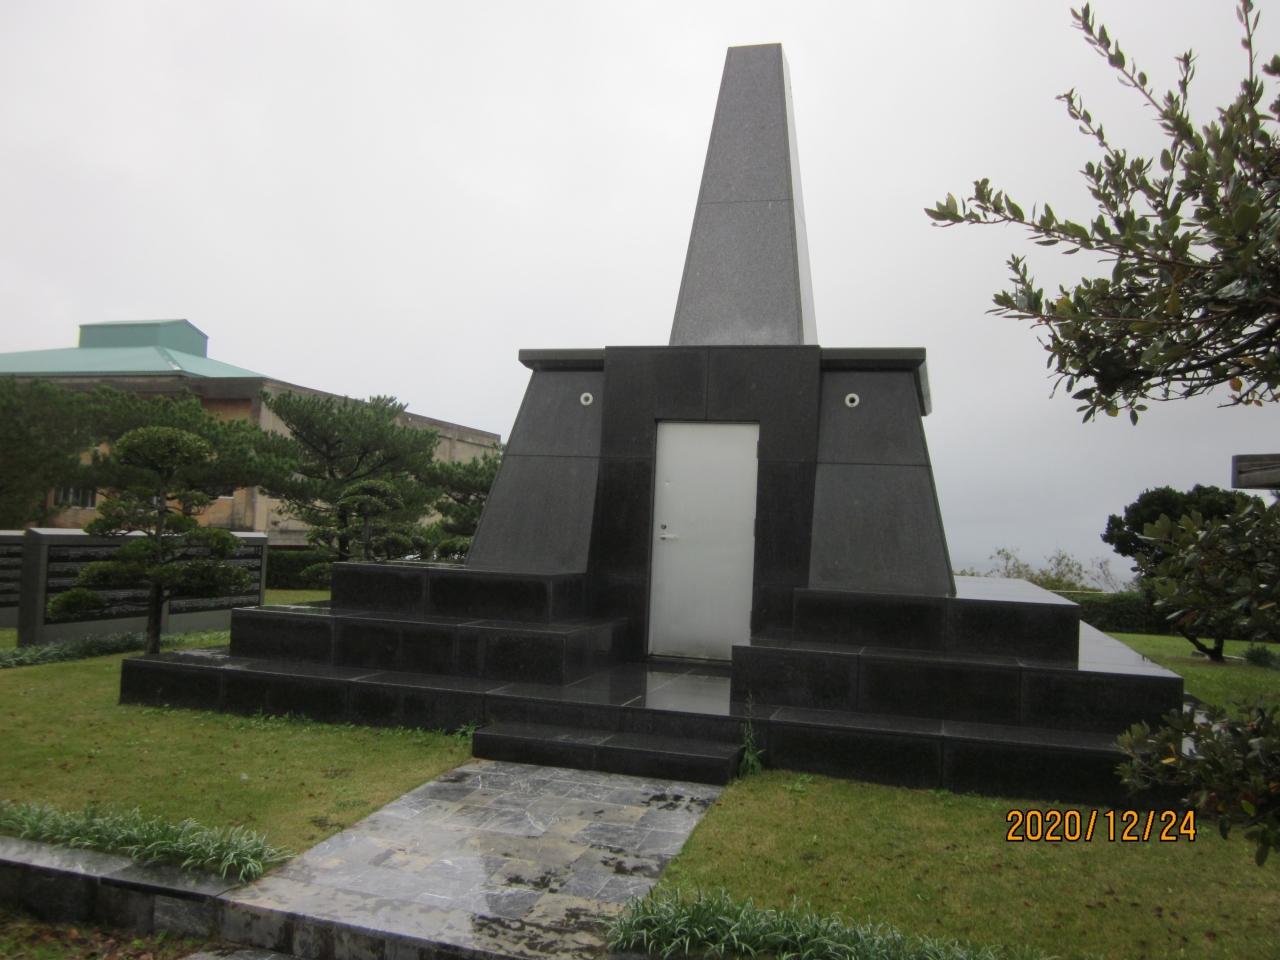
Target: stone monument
x=738 y=526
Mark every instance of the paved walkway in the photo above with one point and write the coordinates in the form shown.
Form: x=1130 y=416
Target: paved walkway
x=498 y=859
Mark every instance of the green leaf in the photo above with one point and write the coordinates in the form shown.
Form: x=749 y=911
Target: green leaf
x=1245 y=218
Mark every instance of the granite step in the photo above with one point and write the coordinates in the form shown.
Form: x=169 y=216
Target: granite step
x=418 y=590
x=608 y=751
x=986 y=616
x=987 y=758
x=544 y=652
x=1108 y=688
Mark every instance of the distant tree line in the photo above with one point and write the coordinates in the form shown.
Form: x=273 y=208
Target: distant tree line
x=367 y=484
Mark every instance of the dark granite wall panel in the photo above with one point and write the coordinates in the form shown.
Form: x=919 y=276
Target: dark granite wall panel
x=878 y=757
x=476 y=595
x=388 y=588
x=644 y=385
x=367 y=643
x=876 y=523
x=771 y=606
x=142 y=682
x=553 y=421
x=884 y=427
x=620 y=538
x=914 y=623
x=873 y=531
x=427 y=648
x=626 y=597
x=776 y=387
x=1109 y=703
x=919 y=688
x=784 y=508
x=1031 y=630
x=763 y=675
x=272 y=635
x=538 y=517
x=374 y=704
x=1010 y=770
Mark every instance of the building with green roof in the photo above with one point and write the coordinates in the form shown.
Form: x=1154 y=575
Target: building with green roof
x=129 y=348
x=171 y=357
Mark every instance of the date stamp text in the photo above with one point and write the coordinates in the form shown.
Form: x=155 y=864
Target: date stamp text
x=1050 y=825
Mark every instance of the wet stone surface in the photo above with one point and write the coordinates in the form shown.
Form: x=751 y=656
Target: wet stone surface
x=499 y=858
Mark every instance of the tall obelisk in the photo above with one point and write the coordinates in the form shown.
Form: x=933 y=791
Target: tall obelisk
x=746 y=274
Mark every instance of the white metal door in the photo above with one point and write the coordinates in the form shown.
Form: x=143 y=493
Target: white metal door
x=704 y=509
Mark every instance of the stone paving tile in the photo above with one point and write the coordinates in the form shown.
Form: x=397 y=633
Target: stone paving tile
x=501 y=858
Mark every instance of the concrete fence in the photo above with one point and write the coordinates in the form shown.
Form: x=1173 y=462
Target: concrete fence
x=10 y=576
x=51 y=559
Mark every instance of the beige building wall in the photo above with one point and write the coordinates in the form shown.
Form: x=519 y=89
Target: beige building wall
x=248 y=509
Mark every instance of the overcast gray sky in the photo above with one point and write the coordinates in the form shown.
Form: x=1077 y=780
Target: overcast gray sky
x=395 y=197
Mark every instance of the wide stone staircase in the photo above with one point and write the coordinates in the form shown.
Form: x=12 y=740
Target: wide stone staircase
x=998 y=689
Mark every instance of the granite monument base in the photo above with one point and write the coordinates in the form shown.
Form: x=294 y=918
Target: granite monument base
x=997 y=690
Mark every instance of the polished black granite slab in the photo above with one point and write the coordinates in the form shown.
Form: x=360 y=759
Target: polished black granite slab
x=667 y=685
x=421 y=590
x=553 y=652
x=1107 y=689
x=634 y=754
x=987 y=615
x=975 y=740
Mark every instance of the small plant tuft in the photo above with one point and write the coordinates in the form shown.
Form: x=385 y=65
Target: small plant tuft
x=715 y=925
x=800 y=785
x=99 y=646
x=226 y=851
x=1260 y=655
x=752 y=761
x=465 y=734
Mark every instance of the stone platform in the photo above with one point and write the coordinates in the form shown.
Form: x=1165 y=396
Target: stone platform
x=487 y=862
x=491 y=860
x=996 y=690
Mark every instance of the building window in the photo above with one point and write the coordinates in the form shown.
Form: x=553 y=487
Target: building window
x=75 y=497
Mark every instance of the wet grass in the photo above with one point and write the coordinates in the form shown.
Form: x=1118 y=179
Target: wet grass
x=935 y=864
x=715 y=925
x=68 y=743
x=1221 y=683
x=295 y=596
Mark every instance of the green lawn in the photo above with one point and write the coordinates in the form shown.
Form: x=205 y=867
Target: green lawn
x=928 y=862
x=68 y=742
x=295 y=596
x=1220 y=683
x=937 y=864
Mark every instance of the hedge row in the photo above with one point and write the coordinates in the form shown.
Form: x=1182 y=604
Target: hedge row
x=1129 y=612
x=285 y=566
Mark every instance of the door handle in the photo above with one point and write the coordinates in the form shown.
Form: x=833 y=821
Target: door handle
x=667 y=536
